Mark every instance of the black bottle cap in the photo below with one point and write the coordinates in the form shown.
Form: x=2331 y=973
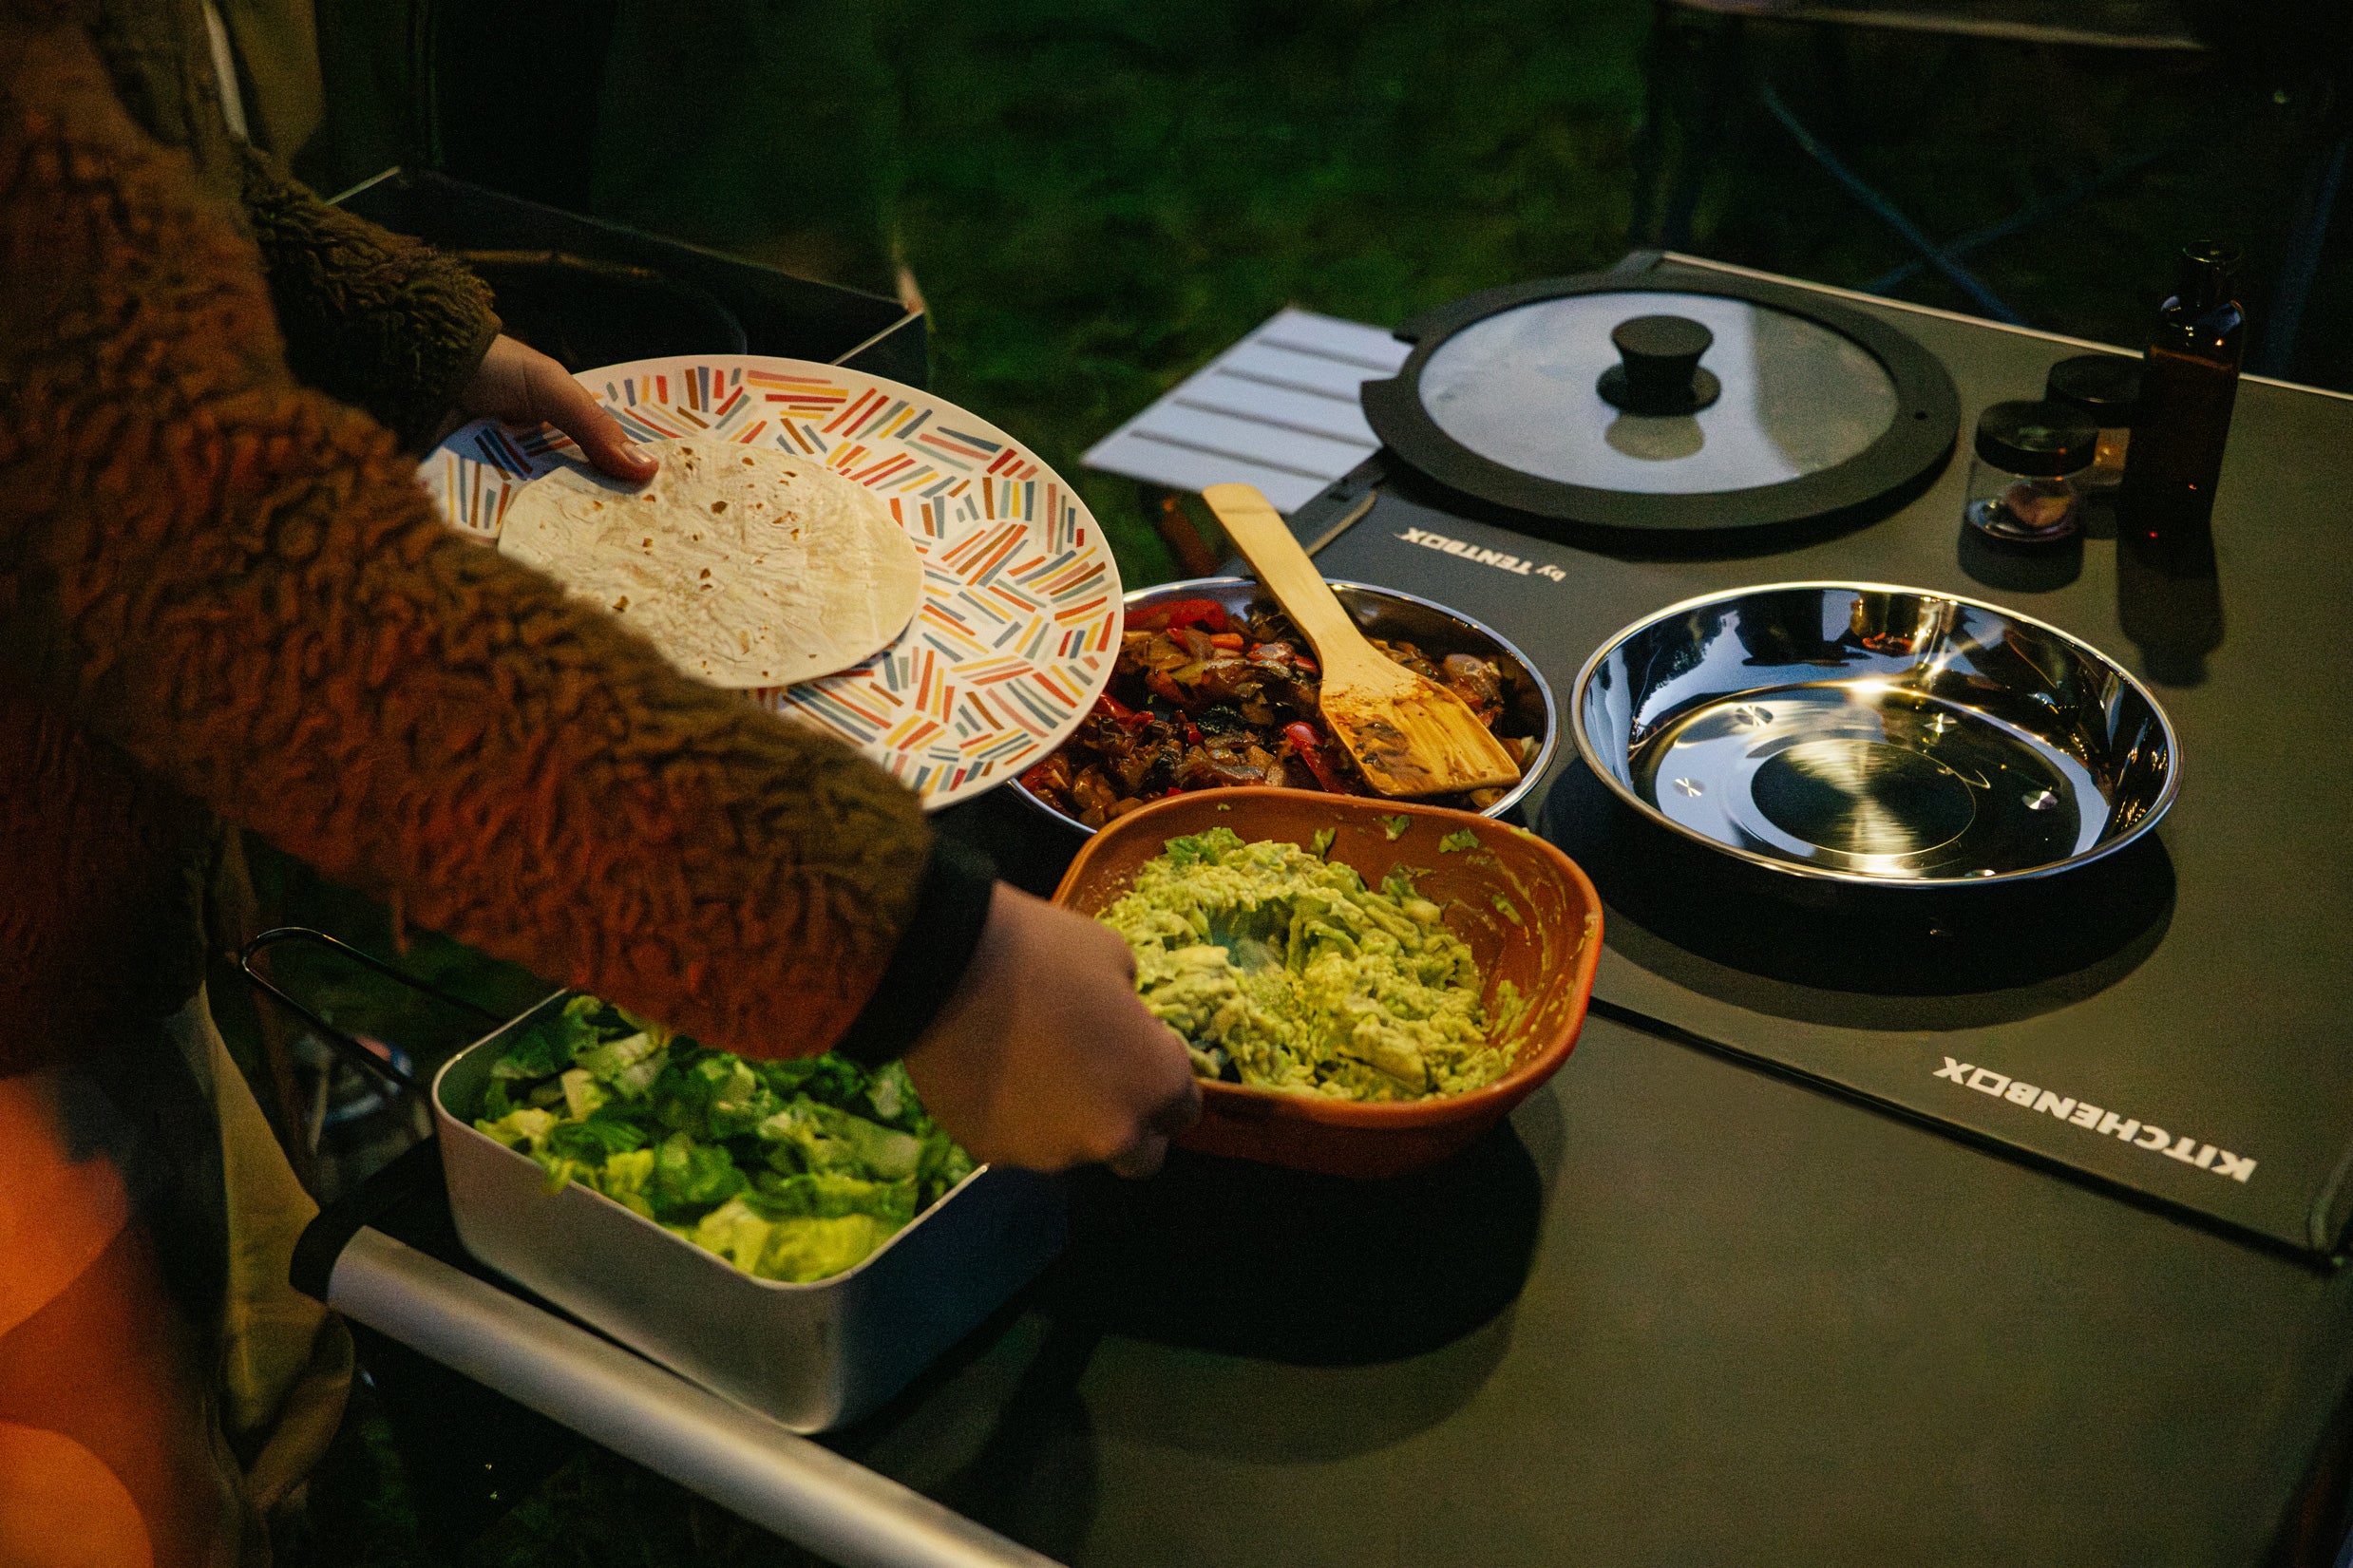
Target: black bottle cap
x=2209 y=274
x=2107 y=386
x=2042 y=439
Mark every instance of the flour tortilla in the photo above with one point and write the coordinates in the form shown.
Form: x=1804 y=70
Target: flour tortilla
x=746 y=566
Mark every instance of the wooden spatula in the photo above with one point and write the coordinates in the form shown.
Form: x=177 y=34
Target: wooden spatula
x=1410 y=735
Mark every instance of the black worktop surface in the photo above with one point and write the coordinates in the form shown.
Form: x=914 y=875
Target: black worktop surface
x=1682 y=1309
x=2195 y=983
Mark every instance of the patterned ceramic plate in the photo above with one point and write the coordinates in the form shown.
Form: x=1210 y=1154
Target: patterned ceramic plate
x=1020 y=614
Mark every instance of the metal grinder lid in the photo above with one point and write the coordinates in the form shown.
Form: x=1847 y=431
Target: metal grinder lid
x=1581 y=401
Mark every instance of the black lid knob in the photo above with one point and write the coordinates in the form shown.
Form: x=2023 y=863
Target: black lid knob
x=1659 y=371
x=2045 y=439
x=2107 y=386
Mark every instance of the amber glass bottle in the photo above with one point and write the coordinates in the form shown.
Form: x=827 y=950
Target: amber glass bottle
x=2187 y=384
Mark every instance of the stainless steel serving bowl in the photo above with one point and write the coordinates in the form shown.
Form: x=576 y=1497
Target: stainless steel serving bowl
x=1857 y=732
x=1397 y=617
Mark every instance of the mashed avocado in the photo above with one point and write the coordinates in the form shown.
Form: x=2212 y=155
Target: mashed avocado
x=1285 y=971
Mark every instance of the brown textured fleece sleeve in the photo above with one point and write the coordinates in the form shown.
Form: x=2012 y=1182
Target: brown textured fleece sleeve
x=239 y=581
x=370 y=316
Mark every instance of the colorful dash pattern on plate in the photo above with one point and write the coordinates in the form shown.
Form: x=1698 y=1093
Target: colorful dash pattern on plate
x=1020 y=615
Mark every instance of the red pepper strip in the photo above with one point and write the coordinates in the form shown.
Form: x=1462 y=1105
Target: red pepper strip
x=1230 y=641
x=1180 y=612
x=1192 y=732
x=1121 y=712
x=1310 y=747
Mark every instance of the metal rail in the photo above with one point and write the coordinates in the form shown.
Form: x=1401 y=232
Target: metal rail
x=349 y=1047
x=738 y=1459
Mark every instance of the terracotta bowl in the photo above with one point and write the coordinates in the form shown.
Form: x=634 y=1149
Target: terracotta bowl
x=1549 y=952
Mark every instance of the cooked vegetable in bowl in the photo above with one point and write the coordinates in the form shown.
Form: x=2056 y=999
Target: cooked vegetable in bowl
x=1213 y=687
x=794 y=1169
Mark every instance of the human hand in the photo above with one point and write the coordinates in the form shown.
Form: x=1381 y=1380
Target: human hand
x=518 y=384
x=1045 y=1058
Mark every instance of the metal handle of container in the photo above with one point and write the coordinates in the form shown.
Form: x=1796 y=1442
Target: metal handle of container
x=735 y=1457
x=350 y=1049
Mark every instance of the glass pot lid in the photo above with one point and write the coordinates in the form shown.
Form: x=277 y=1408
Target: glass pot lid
x=1523 y=387
x=1706 y=405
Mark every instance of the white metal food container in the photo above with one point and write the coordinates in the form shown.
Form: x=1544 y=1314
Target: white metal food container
x=813 y=1356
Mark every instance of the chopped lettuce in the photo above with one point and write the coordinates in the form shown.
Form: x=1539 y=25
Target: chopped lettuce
x=582 y=1094
x=606 y=1131
x=691 y=1178
x=830 y=1194
x=944 y=1164
x=887 y=1153
x=790 y=1169
x=797 y=1248
x=607 y=1060
x=520 y=1129
x=826 y=1078
x=624 y=1179
x=891 y=1092
x=549 y=1045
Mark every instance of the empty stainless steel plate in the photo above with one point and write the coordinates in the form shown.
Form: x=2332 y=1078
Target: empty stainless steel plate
x=1863 y=734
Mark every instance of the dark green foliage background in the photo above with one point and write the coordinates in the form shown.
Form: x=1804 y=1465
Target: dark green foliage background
x=1096 y=202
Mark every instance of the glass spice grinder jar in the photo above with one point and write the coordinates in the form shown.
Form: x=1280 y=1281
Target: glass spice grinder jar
x=2024 y=484
x=2105 y=390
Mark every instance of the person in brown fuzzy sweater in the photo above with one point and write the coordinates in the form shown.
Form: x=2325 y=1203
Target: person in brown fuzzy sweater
x=223 y=593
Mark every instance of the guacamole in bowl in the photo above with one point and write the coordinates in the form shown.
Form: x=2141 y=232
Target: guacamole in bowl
x=1285 y=971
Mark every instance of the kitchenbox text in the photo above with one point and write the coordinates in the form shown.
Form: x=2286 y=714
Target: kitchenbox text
x=2094 y=1119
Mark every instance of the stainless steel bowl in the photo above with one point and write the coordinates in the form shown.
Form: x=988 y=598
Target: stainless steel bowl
x=1856 y=732
x=1397 y=617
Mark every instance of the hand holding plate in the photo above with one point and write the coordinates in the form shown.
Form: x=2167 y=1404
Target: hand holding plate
x=518 y=384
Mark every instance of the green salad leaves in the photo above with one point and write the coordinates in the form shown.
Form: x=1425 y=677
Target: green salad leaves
x=792 y=1169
